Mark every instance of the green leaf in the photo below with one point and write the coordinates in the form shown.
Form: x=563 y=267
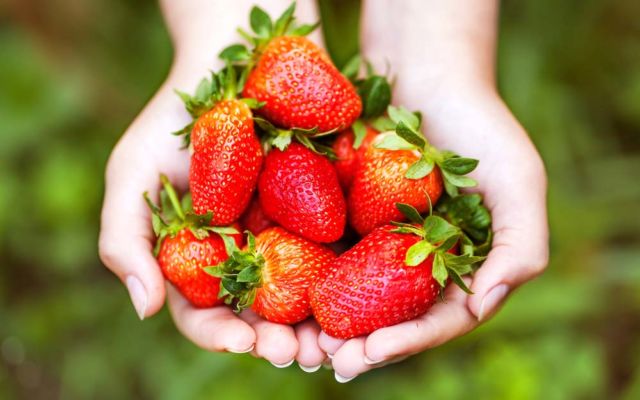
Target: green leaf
x=401 y=114
x=304 y=30
x=250 y=274
x=283 y=22
x=438 y=229
x=214 y=270
x=410 y=135
x=419 y=169
x=229 y=244
x=281 y=142
x=352 y=67
x=394 y=142
x=410 y=212
x=448 y=243
x=459 y=165
x=458 y=180
x=408 y=230
x=417 y=253
x=359 y=133
x=383 y=124
x=226 y=230
x=375 y=92
x=232 y=285
x=251 y=241
x=253 y=104
x=235 y=53
x=439 y=270
x=454 y=261
x=260 y=22
x=458 y=281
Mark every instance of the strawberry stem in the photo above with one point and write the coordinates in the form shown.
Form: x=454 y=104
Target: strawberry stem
x=173 y=196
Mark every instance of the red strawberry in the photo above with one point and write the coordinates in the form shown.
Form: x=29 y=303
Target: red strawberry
x=299 y=190
x=272 y=275
x=187 y=244
x=349 y=156
x=226 y=155
x=393 y=274
x=402 y=166
x=254 y=219
x=301 y=87
x=380 y=183
x=296 y=80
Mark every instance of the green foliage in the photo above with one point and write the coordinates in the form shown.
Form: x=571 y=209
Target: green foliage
x=569 y=70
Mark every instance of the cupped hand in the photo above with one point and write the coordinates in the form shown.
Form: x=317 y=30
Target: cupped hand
x=511 y=177
x=126 y=240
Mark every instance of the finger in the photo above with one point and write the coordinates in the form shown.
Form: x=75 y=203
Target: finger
x=214 y=329
x=520 y=250
x=329 y=344
x=310 y=356
x=125 y=243
x=443 y=322
x=348 y=361
x=276 y=343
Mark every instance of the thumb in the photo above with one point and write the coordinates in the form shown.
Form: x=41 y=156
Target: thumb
x=512 y=261
x=125 y=244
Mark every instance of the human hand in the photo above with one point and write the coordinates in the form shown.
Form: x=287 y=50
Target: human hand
x=448 y=75
x=512 y=180
x=147 y=149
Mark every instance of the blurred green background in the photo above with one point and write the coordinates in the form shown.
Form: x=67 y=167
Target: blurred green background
x=74 y=73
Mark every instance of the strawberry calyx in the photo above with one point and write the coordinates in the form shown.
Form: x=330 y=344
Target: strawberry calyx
x=374 y=91
x=264 y=30
x=406 y=126
x=240 y=275
x=174 y=214
x=282 y=138
x=438 y=236
x=221 y=86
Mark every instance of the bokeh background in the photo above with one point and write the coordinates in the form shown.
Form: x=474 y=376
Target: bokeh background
x=74 y=73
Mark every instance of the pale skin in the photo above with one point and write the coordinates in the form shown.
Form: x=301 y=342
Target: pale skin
x=442 y=54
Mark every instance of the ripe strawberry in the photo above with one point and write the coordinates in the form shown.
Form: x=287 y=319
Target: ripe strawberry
x=301 y=87
x=296 y=80
x=402 y=166
x=254 y=219
x=380 y=183
x=299 y=190
x=186 y=245
x=393 y=274
x=227 y=154
x=272 y=275
x=349 y=155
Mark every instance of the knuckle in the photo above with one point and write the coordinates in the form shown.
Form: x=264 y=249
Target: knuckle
x=109 y=252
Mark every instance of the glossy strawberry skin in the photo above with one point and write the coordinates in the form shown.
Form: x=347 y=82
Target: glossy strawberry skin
x=292 y=264
x=349 y=158
x=379 y=183
x=226 y=161
x=301 y=87
x=299 y=190
x=182 y=258
x=370 y=287
x=254 y=219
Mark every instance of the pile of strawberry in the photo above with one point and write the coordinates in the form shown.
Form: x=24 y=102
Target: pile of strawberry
x=308 y=160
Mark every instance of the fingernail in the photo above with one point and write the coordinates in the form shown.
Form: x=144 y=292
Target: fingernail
x=342 y=379
x=330 y=356
x=310 y=369
x=138 y=295
x=285 y=365
x=241 y=351
x=491 y=300
x=369 y=361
